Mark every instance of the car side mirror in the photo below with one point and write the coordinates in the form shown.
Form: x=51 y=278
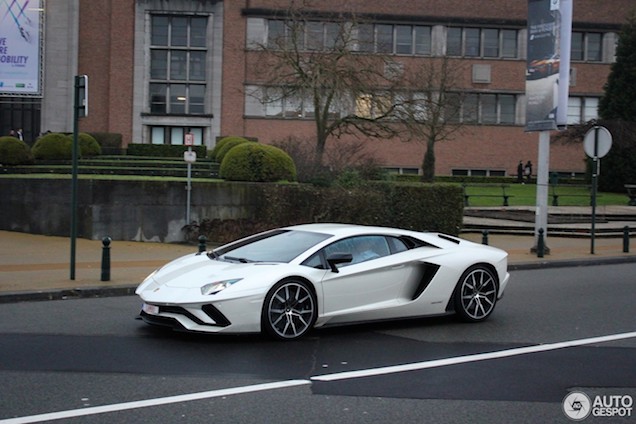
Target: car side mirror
x=338 y=258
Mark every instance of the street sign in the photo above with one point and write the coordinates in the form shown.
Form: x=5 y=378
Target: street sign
x=189 y=139
x=82 y=87
x=597 y=142
x=190 y=156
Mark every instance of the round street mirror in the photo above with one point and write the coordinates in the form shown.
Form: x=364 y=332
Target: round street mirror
x=604 y=138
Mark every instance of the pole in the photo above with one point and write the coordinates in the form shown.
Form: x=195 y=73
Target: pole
x=188 y=189
x=75 y=153
x=595 y=161
x=541 y=213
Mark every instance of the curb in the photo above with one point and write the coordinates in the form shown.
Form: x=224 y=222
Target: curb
x=565 y=263
x=64 y=294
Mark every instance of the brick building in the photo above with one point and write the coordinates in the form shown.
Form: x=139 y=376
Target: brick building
x=158 y=69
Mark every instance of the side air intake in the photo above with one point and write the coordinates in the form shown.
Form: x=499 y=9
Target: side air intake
x=427 y=271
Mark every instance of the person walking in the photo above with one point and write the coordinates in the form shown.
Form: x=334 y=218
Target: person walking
x=528 y=170
x=520 y=172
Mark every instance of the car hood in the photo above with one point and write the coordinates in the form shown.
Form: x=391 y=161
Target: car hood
x=196 y=270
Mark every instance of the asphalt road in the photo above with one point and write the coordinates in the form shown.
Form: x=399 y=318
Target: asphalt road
x=90 y=361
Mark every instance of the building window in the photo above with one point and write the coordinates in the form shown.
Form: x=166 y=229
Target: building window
x=178 y=53
x=582 y=109
x=175 y=135
x=369 y=38
x=587 y=46
x=478 y=172
x=481 y=42
x=489 y=109
x=271 y=102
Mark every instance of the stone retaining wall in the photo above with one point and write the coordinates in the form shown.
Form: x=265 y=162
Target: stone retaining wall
x=122 y=210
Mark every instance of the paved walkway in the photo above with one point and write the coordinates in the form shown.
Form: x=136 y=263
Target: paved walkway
x=38 y=267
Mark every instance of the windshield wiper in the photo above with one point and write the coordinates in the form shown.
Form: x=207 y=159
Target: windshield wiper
x=213 y=255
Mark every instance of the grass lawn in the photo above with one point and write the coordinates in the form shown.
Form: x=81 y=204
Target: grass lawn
x=525 y=195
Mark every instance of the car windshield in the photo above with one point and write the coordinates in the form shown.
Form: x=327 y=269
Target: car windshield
x=274 y=246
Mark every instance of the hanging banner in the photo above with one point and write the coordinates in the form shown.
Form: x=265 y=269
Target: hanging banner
x=20 y=47
x=548 y=63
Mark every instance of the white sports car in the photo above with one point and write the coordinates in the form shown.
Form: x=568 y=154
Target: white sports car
x=286 y=281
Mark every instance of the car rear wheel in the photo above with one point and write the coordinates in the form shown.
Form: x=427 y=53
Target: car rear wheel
x=476 y=294
x=289 y=310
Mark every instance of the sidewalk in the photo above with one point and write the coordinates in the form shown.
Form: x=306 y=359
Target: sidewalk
x=36 y=267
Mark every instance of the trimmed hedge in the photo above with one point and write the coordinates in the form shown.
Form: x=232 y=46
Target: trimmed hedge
x=229 y=145
x=164 y=150
x=53 y=146
x=419 y=207
x=88 y=145
x=222 y=142
x=13 y=151
x=58 y=146
x=255 y=162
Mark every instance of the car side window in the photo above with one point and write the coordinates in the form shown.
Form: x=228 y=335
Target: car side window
x=314 y=261
x=397 y=245
x=362 y=248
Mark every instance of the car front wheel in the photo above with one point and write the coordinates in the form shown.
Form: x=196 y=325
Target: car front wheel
x=289 y=310
x=476 y=294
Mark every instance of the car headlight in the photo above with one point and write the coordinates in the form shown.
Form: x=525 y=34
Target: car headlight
x=218 y=286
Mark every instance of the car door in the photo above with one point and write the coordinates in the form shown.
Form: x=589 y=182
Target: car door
x=372 y=280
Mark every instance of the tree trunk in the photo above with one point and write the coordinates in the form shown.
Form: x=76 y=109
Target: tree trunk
x=428 y=165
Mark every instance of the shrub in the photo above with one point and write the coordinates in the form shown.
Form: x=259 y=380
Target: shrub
x=88 y=145
x=222 y=142
x=227 y=146
x=14 y=151
x=257 y=162
x=53 y=146
x=433 y=207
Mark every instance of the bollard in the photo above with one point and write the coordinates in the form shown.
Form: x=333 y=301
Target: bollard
x=626 y=239
x=106 y=259
x=484 y=237
x=540 y=244
x=202 y=246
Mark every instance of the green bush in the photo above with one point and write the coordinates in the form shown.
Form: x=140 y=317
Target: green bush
x=257 y=162
x=229 y=145
x=220 y=143
x=88 y=145
x=14 y=151
x=53 y=146
x=422 y=207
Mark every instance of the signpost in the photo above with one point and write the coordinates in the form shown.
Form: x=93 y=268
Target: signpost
x=547 y=89
x=80 y=110
x=190 y=157
x=597 y=143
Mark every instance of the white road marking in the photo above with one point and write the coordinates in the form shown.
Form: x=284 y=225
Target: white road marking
x=154 y=402
x=471 y=358
x=326 y=377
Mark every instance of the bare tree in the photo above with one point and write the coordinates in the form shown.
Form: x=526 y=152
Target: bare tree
x=432 y=106
x=320 y=67
x=330 y=68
